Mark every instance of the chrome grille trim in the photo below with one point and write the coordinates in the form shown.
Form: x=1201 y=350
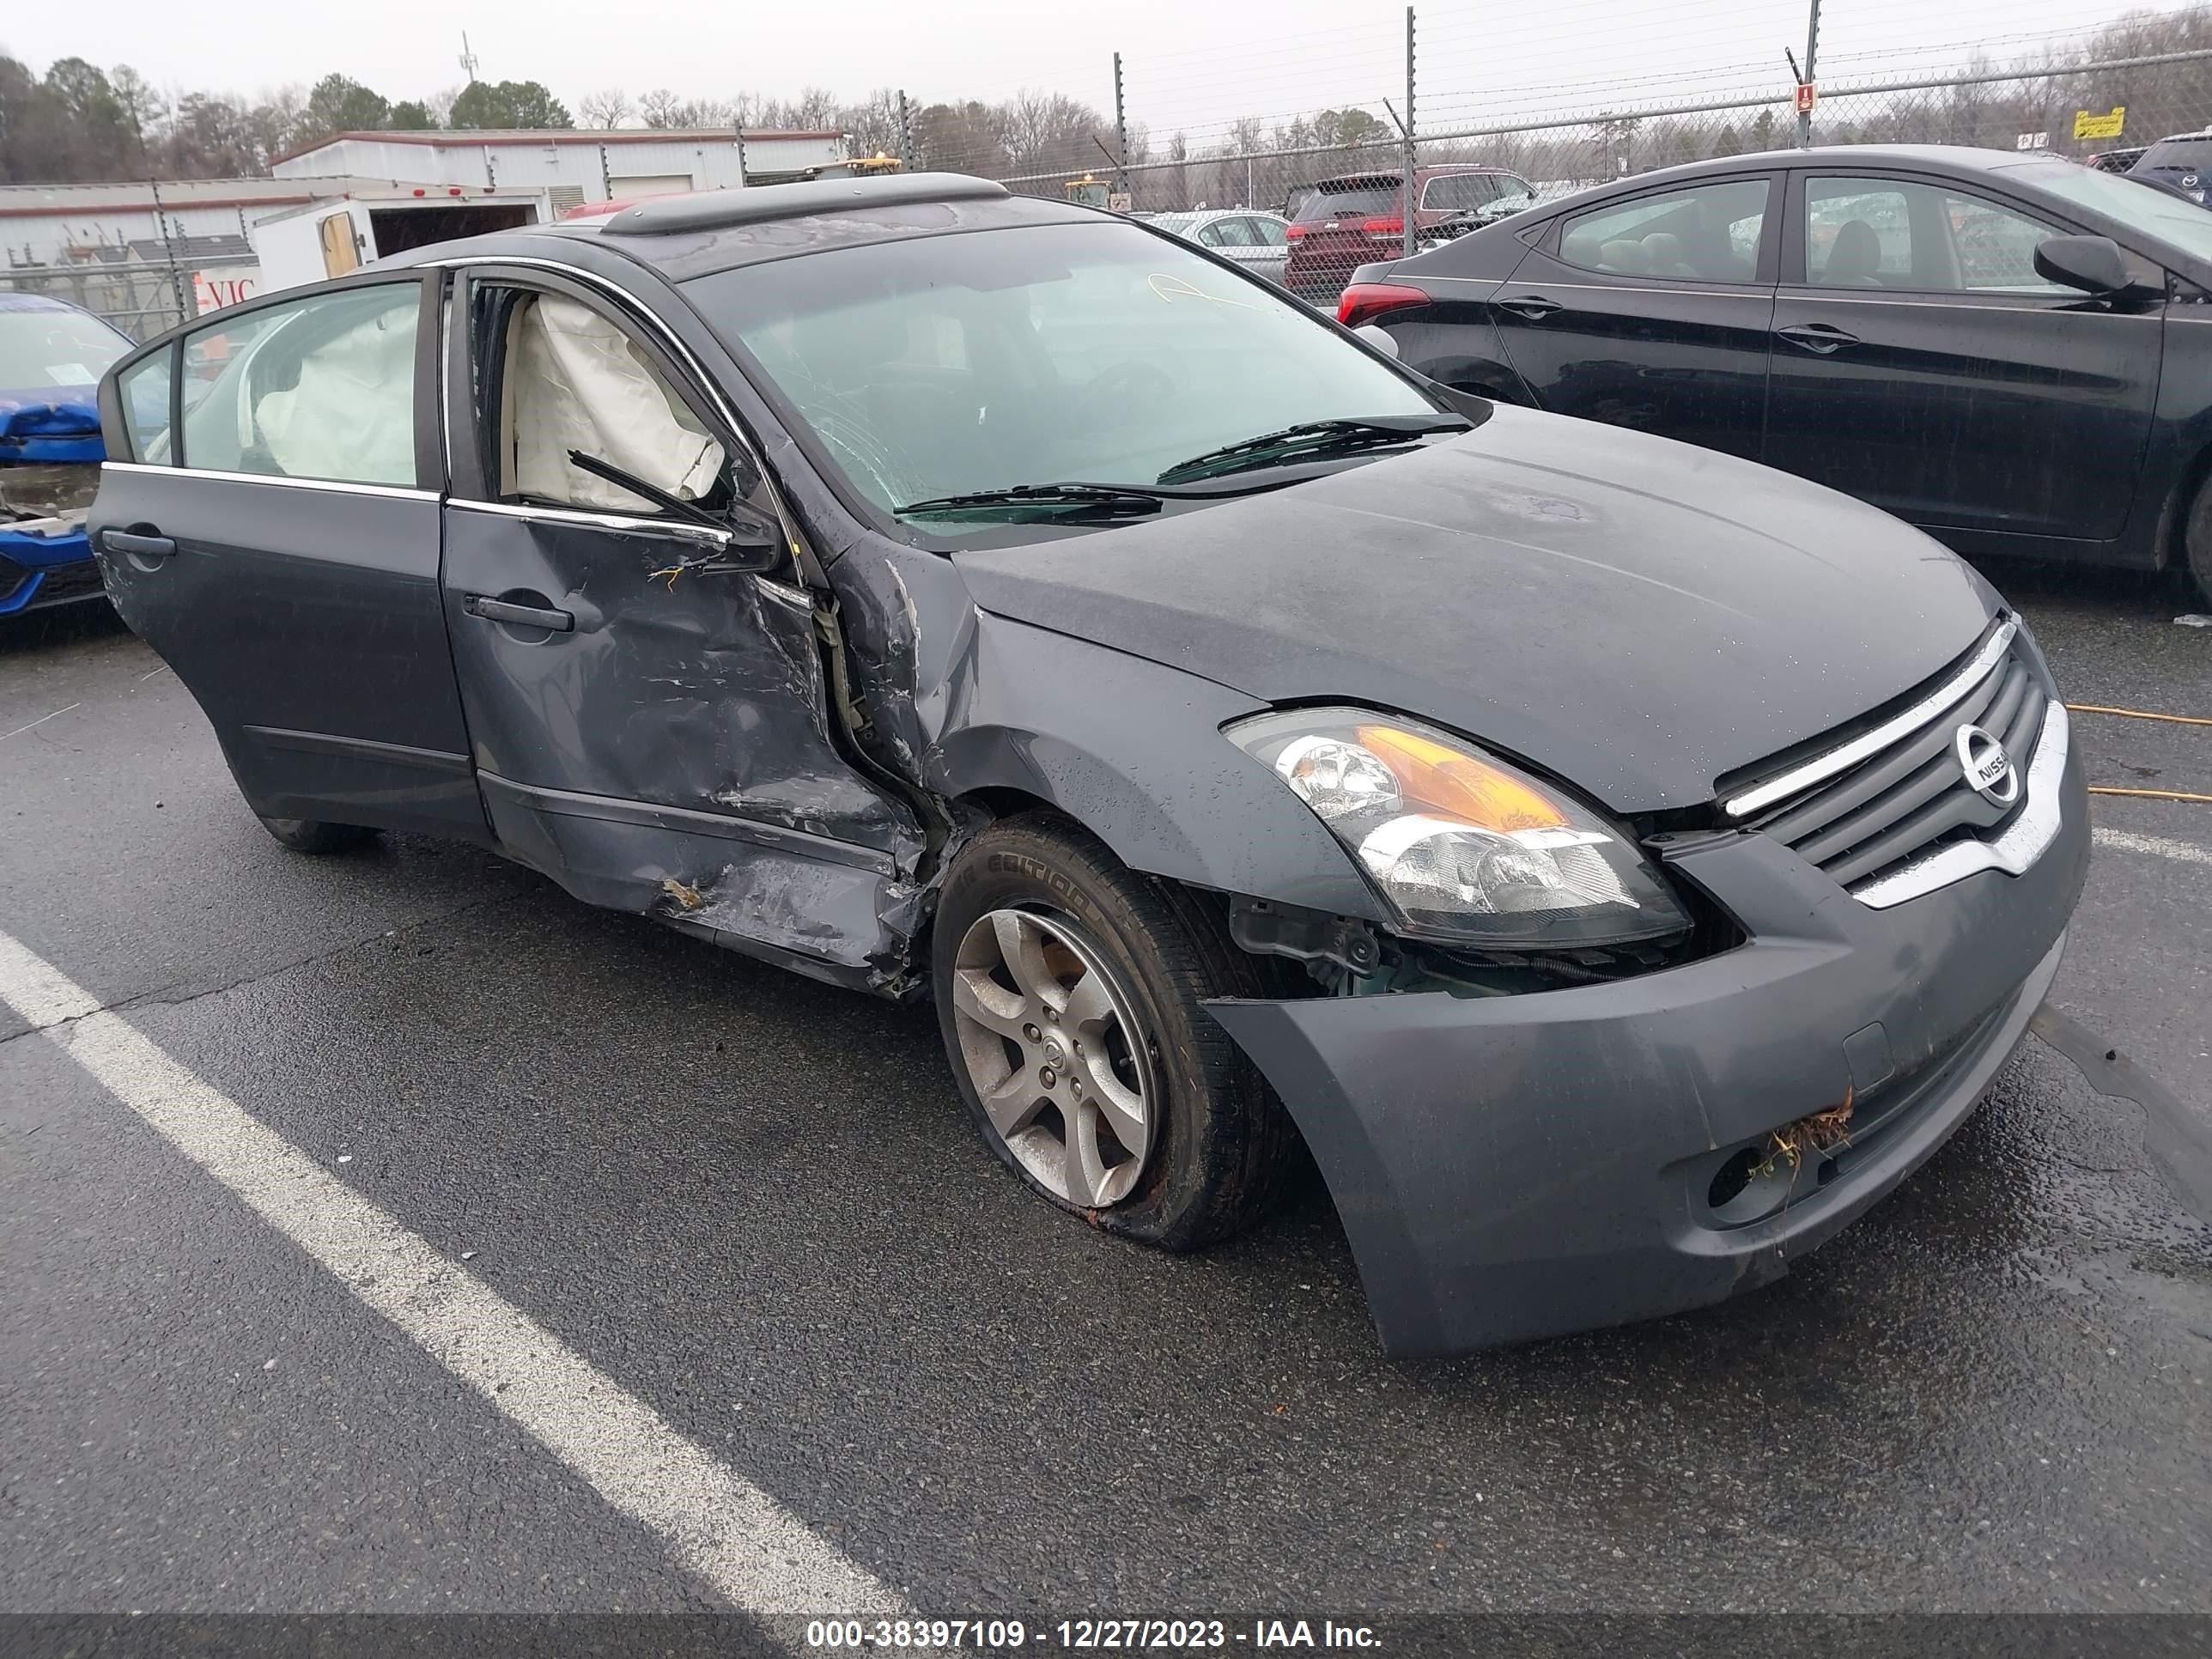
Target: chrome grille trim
x=1846 y=756
x=2023 y=841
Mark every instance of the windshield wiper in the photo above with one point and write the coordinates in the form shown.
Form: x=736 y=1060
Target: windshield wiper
x=1311 y=440
x=637 y=486
x=1044 y=500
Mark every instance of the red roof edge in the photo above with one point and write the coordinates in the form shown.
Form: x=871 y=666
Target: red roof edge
x=462 y=138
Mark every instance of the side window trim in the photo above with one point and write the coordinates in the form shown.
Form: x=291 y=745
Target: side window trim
x=177 y=340
x=1795 y=273
x=1553 y=240
x=469 y=485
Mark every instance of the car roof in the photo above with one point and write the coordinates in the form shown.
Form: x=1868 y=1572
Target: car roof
x=1952 y=158
x=1961 y=157
x=1190 y=216
x=37 y=302
x=1371 y=181
x=701 y=232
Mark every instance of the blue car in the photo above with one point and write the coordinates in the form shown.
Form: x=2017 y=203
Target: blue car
x=52 y=357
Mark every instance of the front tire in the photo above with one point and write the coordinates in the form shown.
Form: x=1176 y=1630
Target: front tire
x=2196 y=539
x=310 y=836
x=1068 y=992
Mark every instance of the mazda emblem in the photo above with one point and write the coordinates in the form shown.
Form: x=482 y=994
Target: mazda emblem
x=1989 y=769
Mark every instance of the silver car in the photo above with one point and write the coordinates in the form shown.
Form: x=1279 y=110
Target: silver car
x=1260 y=242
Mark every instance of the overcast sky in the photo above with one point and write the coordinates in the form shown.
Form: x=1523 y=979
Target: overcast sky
x=1188 y=65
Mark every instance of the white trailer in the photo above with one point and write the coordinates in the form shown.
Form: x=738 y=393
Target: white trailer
x=330 y=238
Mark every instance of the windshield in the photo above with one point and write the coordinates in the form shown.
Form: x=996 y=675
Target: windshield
x=42 y=350
x=2137 y=206
x=2178 y=153
x=949 y=365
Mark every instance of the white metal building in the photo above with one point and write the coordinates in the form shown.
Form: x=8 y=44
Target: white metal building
x=60 y=224
x=574 y=167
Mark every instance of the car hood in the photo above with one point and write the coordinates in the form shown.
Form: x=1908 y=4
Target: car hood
x=1637 y=615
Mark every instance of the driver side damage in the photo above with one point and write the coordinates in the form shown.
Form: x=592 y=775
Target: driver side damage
x=728 y=797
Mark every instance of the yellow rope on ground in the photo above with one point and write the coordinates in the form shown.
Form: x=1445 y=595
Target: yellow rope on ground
x=2139 y=714
x=2153 y=794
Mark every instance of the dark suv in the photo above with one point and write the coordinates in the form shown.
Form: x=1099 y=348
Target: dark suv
x=1338 y=224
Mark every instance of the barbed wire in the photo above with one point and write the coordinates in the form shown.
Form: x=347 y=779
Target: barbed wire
x=1255 y=124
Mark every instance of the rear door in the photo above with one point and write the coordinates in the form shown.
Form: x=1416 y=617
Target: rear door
x=648 y=705
x=1271 y=245
x=1921 y=364
x=1240 y=238
x=268 y=522
x=1653 y=312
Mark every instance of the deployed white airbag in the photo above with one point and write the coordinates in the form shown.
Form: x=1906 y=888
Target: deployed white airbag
x=349 y=416
x=575 y=381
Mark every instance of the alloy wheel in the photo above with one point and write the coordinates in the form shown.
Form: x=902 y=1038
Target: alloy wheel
x=1060 y=1064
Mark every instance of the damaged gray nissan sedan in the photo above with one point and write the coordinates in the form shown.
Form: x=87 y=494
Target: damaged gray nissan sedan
x=1618 y=864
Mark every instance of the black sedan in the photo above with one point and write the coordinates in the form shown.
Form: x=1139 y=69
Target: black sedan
x=2013 y=351
x=1619 y=864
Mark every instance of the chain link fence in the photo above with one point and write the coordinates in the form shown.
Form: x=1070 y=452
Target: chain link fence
x=1528 y=95
x=141 y=297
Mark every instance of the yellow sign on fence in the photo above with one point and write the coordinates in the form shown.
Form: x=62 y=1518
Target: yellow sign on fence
x=2086 y=126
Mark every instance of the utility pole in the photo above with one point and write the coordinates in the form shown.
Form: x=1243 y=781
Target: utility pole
x=1121 y=131
x=1412 y=240
x=906 y=134
x=1812 y=48
x=468 y=59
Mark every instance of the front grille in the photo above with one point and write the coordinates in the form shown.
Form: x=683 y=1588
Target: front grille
x=21 y=583
x=79 y=580
x=1912 y=793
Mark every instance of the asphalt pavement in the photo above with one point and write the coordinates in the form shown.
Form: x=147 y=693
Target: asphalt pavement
x=695 y=1208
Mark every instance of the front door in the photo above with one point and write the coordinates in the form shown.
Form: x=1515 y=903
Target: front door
x=1921 y=364
x=1652 y=313
x=268 y=522
x=646 y=692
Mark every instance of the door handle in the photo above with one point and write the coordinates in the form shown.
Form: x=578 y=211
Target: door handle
x=522 y=615
x=146 y=547
x=1820 y=338
x=1531 y=308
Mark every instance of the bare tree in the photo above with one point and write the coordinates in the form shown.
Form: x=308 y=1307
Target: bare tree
x=605 y=109
x=1046 y=130
x=661 y=108
x=872 y=124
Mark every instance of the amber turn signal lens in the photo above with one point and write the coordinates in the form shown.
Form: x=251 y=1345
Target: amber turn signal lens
x=1450 y=784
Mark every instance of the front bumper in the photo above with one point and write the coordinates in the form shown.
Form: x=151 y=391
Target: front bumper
x=1515 y=1167
x=37 y=571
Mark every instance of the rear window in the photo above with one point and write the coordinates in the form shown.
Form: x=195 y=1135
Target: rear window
x=2178 y=153
x=1322 y=202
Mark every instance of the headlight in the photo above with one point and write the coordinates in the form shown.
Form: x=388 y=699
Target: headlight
x=1459 y=843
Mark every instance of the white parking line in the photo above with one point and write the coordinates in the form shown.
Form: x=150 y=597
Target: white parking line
x=741 y=1540
x=2181 y=852
x=41 y=720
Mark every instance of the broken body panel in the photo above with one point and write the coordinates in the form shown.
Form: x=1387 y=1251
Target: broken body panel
x=782 y=752
x=50 y=457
